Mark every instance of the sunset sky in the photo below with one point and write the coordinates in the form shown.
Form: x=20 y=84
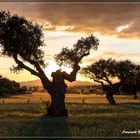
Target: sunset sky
x=116 y=25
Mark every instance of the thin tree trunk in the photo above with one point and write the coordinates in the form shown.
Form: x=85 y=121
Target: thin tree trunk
x=135 y=95
x=110 y=98
x=109 y=93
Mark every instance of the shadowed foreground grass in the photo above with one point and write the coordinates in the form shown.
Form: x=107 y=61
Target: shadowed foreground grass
x=83 y=121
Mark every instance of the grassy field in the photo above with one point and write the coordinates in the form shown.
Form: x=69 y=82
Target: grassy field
x=70 y=98
x=94 y=118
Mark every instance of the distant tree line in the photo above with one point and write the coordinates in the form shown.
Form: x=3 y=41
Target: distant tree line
x=8 y=87
x=85 y=89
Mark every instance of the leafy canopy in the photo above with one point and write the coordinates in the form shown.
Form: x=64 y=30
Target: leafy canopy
x=126 y=71
x=10 y=87
x=101 y=70
x=71 y=57
x=19 y=37
x=104 y=70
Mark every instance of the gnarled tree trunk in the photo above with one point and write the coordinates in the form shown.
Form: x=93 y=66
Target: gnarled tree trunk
x=57 y=89
x=57 y=107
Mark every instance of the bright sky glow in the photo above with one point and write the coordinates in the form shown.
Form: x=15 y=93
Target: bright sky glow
x=54 y=41
x=121 y=28
x=64 y=24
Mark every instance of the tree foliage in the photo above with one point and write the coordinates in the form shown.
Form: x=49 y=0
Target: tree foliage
x=126 y=71
x=101 y=71
x=20 y=38
x=129 y=75
x=71 y=57
x=104 y=70
x=9 y=87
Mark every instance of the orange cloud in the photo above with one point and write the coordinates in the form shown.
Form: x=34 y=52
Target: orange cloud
x=118 y=56
x=104 y=18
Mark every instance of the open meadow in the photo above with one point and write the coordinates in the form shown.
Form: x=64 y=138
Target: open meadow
x=22 y=115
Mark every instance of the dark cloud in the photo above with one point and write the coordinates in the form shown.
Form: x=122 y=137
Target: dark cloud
x=103 y=18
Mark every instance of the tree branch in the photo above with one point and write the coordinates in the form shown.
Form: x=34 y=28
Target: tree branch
x=99 y=82
x=72 y=76
x=85 y=54
x=80 y=58
x=45 y=81
x=107 y=80
x=36 y=65
x=24 y=66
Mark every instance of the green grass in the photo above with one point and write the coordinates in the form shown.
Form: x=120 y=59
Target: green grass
x=84 y=120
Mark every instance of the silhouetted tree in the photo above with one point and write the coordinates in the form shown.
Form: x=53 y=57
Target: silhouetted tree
x=22 y=40
x=129 y=74
x=9 y=87
x=102 y=72
x=5 y=86
x=137 y=76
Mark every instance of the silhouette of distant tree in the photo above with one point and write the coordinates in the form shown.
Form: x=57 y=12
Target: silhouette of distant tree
x=8 y=87
x=103 y=72
x=129 y=75
x=22 y=40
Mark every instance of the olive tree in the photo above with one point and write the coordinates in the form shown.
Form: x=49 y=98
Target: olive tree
x=103 y=71
x=22 y=40
x=129 y=75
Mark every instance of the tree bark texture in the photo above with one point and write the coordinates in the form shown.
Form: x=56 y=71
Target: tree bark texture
x=57 y=107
